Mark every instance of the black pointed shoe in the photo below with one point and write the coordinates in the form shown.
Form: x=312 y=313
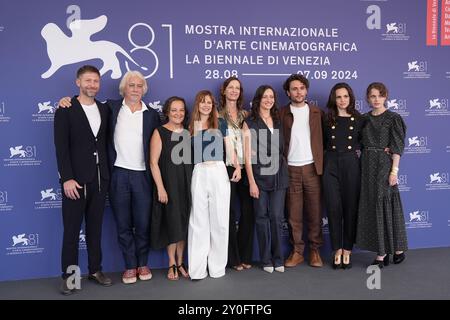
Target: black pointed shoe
x=381 y=263
x=398 y=258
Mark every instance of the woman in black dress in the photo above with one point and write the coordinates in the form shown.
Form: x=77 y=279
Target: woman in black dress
x=172 y=197
x=381 y=224
x=342 y=172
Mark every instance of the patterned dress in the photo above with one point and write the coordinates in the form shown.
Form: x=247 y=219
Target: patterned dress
x=381 y=224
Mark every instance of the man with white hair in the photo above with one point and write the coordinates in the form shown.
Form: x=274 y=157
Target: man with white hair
x=130 y=193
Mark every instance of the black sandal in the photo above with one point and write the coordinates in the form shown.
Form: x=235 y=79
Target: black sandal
x=174 y=269
x=184 y=269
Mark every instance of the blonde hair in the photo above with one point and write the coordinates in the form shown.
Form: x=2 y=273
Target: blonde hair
x=127 y=76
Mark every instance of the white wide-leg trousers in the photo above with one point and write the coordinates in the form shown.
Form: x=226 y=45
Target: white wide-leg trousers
x=209 y=220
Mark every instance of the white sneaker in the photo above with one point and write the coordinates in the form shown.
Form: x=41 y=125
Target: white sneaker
x=279 y=269
x=268 y=269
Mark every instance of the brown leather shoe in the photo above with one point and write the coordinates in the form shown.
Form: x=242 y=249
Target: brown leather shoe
x=294 y=259
x=314 y=258
x=100 y=278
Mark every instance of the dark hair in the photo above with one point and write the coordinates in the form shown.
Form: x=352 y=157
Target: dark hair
x=294 y=77
x=331 y=104
x=167 y=105
x=378 y=86
x=87 y=68
x=213 y=121
x=254 y=113
x=240 y=101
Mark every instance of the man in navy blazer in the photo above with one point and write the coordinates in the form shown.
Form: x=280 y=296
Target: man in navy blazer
x=80 y=136
x=130 y=130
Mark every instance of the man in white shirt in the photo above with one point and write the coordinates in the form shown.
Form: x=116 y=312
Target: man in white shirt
x=130 y=193
x=302 y=128
x=80 y=135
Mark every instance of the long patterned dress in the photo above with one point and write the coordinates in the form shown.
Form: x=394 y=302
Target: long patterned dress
x=381 y=224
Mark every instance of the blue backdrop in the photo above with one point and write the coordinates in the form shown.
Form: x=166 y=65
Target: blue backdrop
x=184 y=46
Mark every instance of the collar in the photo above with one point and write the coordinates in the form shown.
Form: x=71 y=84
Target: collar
x=126 y=107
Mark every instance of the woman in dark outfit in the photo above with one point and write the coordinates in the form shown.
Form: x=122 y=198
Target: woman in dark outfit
x=342 y=174
x=381 y=224
x=268 y=180
x=240 y=242
x=172 y=196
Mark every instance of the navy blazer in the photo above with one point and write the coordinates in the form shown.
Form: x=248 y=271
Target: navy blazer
x=150 y=122
x=279 y=179
x=77 y=147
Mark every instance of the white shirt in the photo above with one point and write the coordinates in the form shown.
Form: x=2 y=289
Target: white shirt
x=128 y=138
x=93 y=116
x=300 y=152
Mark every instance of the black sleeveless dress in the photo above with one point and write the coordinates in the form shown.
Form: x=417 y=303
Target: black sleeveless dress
x=170 y=221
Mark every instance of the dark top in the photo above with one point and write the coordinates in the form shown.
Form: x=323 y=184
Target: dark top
x=345 y=135
x=77 y=147
x=208 y=144
x=384 y=131
x=268 y=161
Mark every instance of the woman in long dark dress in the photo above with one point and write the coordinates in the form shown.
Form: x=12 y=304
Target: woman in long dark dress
x=381 y=224
x=172 y=197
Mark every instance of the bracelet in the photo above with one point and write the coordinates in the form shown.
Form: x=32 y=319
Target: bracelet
x=394 y=170
x=392 y=173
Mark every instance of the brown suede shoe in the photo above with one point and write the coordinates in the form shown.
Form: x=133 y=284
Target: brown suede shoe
x=314 y=258
x=294 y=259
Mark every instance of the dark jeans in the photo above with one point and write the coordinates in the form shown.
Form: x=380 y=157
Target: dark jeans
x=91 y=208
x=131 y=199
x=269 y=214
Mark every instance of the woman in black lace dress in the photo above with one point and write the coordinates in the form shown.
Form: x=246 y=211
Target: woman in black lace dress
x=381 y=224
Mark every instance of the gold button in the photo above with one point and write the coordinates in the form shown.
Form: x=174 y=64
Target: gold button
x=332 y=137
x=333 y=127
x=353 y=119
x=349 y=147
x=351 y=128
x=334 y=147
x=350 y=137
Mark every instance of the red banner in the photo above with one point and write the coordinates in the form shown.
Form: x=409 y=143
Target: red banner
x=432 y=22
x=445 y=23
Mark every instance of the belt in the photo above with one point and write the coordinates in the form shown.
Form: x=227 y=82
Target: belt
x=341 y=151
x=210 y=163
x=374 y=149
